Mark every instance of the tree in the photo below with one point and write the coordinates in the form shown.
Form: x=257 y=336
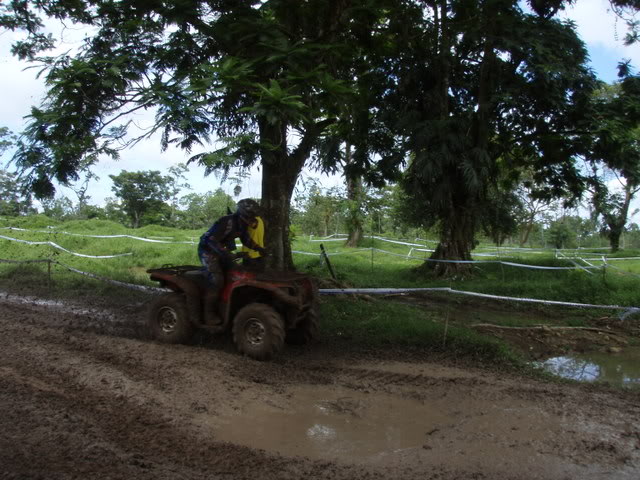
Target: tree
x=200 y=211
x=60 y=208
x=113 y=211
x=498 y=89
x=563 y=233
x=176 y=182
x=533 y=206
x=13 y=201
x=7 y=140
x=321 y=210
x=265 y=77
x=614 y=208
x=616 y=149
x=355 y=203
x=141 y=193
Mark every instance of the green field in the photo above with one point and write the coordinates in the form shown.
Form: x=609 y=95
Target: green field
x=376 y=320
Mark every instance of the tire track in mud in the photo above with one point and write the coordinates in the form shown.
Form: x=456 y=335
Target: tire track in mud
x=116 y=427
x=138 y=407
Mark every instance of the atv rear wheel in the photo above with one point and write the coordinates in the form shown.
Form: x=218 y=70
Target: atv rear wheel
x=306 y=330
x=258 y=331
x=168 y=319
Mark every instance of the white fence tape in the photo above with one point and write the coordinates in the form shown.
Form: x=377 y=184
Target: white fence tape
x=43 y=260
x=311 y=254
x=143 y=239
x=623 y=271
x=422 y=259
x=586 y=269
x=131 y=286
x=387 y=291
x=418 y=239
x=608 y=259
x=397 y=242
x=628 y=310
x=409 y=256
x=55 y=245
x=382 y=239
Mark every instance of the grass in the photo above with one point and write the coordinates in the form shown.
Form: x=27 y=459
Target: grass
x=376 y=322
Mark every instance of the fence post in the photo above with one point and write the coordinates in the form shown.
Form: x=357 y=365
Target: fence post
x=48 y=274
x=326 y=259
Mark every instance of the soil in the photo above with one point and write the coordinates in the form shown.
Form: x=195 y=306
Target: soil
x=84 y=394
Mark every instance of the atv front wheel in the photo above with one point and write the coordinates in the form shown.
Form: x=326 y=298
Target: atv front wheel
x=258 y=331
x=168 y=319
x=306 y=330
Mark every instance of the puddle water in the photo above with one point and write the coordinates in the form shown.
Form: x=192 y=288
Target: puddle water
x=58 y=305
x=618 y=368
x=341 y=424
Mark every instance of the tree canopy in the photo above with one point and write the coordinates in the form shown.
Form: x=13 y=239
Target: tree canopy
x=251 y=74
x=461 y=96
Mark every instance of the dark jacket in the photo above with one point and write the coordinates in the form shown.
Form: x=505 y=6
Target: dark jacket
x=220 y=238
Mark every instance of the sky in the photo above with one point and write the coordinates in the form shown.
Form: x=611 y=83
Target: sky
x=20 y=87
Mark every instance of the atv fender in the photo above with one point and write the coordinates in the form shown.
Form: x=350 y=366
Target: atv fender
x=186 y=286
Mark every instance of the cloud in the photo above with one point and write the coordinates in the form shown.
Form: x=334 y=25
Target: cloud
x=601 y=29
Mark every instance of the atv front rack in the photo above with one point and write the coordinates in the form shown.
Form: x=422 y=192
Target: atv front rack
x=175 y=269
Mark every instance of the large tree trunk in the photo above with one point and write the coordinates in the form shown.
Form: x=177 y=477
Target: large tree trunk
x=277 y=189
x=456 y=242
x=527 y=231
x=614 y=239
x=280 y=171
x=458 y=227
x=354 y=197
x=279 y=176
x=616 y=223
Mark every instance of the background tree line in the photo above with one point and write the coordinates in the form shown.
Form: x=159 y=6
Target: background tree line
x=463 y=104
x=151 y=198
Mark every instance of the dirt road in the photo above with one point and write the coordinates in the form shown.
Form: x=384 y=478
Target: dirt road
x=84 y=395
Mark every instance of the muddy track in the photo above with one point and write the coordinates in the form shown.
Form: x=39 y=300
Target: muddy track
x=84 y=395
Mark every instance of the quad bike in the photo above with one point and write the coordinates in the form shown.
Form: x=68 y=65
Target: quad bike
x=263 y=310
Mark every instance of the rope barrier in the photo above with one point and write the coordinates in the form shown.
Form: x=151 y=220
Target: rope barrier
x=24 y=261
x=628 y=310
x=55 y=245
x=131 y=286
x=143 y=239
x=387 y=291
x=512 y=264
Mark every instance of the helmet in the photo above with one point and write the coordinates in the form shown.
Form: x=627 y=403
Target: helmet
x=248 y=208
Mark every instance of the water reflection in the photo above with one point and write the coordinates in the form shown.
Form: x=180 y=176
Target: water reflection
x=621 y=368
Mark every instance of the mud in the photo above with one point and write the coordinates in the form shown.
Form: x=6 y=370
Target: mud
x=84 y=395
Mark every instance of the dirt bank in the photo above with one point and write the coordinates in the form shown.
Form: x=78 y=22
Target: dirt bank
x=84 y=395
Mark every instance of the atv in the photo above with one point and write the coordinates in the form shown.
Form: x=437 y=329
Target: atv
x=263 y=310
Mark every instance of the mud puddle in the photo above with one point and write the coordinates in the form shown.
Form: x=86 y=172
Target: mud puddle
x=338 y=423
x=60 y=306
x=621 y=368
x=376 y=428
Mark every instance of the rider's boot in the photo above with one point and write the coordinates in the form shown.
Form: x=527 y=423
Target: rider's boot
x=211 y=316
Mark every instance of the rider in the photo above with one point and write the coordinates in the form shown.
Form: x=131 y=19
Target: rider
x=214 y=250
